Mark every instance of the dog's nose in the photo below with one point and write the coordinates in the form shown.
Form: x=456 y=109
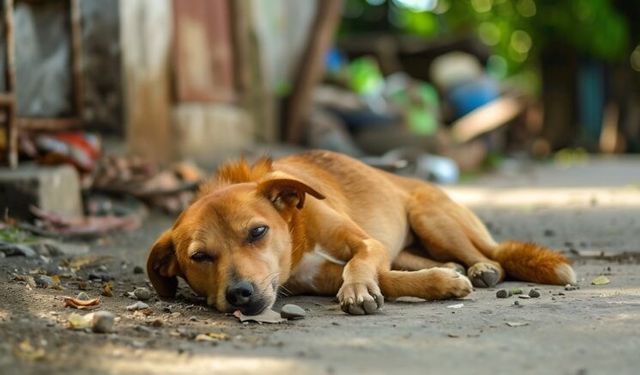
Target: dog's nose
x=239 y=294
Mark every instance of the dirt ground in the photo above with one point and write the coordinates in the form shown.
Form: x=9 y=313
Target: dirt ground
x=589 y=211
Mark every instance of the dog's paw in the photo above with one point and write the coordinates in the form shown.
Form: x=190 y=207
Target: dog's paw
x=459 y=268
x=485 y=275
x=449 y=284
x=360 y=298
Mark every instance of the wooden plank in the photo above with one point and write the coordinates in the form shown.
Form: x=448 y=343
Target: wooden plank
x=10 y=79
x=203 y=58
x=311 y=66
x=47 y=124
x=145 y=27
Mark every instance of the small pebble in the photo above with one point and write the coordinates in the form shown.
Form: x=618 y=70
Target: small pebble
x=103 y=276
x=103 y=322
x=503 y=293
x=516 y=303
x=570 y=287
x=193 y=318
x=138 y=270
x=291 y=311
x=524 y=296
x=533 y=293
x=142 y=294
x=549 y=233
x=82 y=296
x=43 y=281
x=137 y=306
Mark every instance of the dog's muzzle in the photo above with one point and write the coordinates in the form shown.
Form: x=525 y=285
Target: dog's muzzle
x=244 y=296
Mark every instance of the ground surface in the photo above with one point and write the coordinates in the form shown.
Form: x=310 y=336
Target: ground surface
x=590 y=211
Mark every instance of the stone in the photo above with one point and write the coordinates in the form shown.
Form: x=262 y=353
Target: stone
x=291 y=311
x=103 y=322
x=137 y=306
x=142 y=294
x=138 y=270
x=44 y=281
x=503 y=293
x=82 y=296
x=534 y=293
x=55 y=189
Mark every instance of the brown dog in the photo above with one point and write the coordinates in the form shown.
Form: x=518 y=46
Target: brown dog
x=323 y=223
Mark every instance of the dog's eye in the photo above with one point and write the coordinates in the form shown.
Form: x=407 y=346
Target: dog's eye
x=200 y=256
x=257 y=233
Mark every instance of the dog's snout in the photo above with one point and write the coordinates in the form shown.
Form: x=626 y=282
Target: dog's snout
x=239 y=294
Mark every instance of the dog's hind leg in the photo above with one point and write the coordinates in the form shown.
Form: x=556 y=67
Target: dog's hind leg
x=451 y=232
x=430 y=284
x=407 y=260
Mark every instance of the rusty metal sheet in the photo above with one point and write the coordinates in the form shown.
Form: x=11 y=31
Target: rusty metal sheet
x=203 y=55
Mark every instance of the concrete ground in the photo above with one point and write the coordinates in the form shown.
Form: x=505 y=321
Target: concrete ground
x=589 y=210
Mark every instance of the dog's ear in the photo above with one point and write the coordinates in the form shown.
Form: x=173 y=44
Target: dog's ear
x=287 y=192
x=162 y=266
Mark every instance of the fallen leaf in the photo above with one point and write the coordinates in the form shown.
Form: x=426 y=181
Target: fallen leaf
x=212 y=336
x=25 y=351
x=107 y=289
x=456 y=306
x=517 y=324
x=267 y=316
x=600 y=280
x=81 y=304
x=77 y=321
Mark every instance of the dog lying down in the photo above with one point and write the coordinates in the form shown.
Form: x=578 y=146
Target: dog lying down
x=325 y=224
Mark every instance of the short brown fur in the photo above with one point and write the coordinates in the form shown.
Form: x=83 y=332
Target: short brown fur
x=335 y=226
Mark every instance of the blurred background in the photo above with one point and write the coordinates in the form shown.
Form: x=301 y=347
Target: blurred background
x=439 y=89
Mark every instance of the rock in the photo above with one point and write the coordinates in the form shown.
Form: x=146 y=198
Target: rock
x=44 y=281
x=142 y=294
x=534 y=293
x=291 y=311
x=570 y=287
x=137 y=306
x=524 y=296
x=103 y=321
x=549 y=233
x=517 y=303
x=82 y=296
x=503 y=293
x=100 y=275
x=138 y=270
x=12 y=249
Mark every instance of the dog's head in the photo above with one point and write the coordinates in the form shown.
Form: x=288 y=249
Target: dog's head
x=232 y=245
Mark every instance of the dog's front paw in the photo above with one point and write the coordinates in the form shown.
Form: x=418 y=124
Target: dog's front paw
x=485 y=275
x=360 y=298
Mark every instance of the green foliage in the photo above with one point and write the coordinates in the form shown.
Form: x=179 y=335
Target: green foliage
x=517 y=30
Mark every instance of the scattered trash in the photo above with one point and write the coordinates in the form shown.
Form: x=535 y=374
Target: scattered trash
x=212 y=336
x=81 y=304
x=26 y=352
x=82 y=296
x=456 y=306
x=142 y=294
x=84 y=227
x=102 y=321
x=267 y=316
x=517 y=324
x=291 y=311
x=137 y=306
x=534 y=293
x=503 y=293
x=524 y=296
x=600 y=280
x=516 y=291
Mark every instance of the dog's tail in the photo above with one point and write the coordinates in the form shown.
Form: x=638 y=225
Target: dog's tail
x=533 y=263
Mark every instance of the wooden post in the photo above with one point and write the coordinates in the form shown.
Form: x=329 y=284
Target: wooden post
x=146 y=32
x=9 y=101
x=311 y=66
